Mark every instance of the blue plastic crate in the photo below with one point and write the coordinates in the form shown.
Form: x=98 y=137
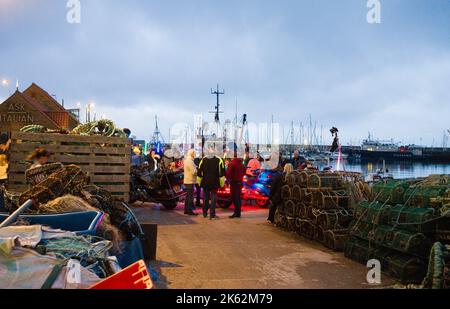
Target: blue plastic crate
x=81 y=223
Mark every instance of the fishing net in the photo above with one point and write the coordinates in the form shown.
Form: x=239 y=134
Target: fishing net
x=91 y=252
x=70 y=203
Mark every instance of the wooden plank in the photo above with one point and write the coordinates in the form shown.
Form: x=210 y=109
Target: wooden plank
x=108 y=169
x=17 y=167
x=110 y=178
x=28 y=148
x=119 y=188
x=17 y=188
x=94 y=139
x=16 y=177
x=76 y=159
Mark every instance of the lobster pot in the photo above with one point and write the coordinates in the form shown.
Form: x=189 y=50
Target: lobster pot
x=307 y=197
x=375 y=212
x=290 y=180
x=314 y=181
x=333 y=220
x=297 y=193
x=358 y=250
x=426 y=196
x=390 y=191
x=312 y=214
x=280 y=219
x=308 y=229
x=402 y=241
x=290 y=208
x=302 y=179
x=402 y=267
x=286 y=192
x=335 y=239
x=302 y=211
x=105 y=159
x=291 y=223
x=328 y=200
x=332 y=181
x=320 y=234
x=362 y=230
x=413 y=219
x=325 y=180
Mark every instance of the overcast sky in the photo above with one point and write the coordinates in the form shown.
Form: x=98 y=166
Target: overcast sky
x=289 y=58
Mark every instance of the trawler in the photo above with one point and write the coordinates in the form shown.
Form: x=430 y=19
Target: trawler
x=372 y=149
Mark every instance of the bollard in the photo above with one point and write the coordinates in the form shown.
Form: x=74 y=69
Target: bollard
x=149 y=241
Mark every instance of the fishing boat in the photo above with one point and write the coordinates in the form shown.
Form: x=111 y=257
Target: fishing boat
x=380 y=175
x=372 y=149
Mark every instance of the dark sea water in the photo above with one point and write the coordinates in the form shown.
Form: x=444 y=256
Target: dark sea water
x=400 y=170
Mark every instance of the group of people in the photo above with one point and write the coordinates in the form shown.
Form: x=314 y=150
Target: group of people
x=210 y=175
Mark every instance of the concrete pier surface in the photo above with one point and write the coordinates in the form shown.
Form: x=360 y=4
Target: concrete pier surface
x=247 y=253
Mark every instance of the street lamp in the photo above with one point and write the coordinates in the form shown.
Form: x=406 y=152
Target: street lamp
x=89 y=108
x=5 y=83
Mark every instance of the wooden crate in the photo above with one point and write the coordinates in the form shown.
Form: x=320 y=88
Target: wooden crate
x=105 y=159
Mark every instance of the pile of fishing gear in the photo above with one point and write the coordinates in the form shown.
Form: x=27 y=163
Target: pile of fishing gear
x=102 y=127
x=103 y=234
x=68 y=189
x=399 y=226
x=319 y=205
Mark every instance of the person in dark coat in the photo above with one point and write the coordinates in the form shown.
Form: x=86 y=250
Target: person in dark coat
x=275 y=193
x=211 y=177
x=198 y=189
x=235 y=175
x=297 y=160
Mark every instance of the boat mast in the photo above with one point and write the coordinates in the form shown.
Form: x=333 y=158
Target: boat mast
x=217 y=111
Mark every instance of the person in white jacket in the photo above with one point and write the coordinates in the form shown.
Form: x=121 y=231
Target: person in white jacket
x=190 y=179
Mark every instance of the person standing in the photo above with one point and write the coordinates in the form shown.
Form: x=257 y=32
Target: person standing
x=253 y=167
x=297 y=160
x=190 y=177
x=198 y=189
x=211 y=177
x=275 y=193
x=235 y=174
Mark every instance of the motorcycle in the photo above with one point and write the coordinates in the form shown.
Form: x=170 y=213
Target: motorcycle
x=160 y=186
x=258 y=189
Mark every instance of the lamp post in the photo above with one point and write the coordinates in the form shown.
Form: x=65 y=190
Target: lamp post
x=89 y=108
x=5 y=83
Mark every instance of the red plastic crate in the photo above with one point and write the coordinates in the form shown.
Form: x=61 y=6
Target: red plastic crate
x=134 y=277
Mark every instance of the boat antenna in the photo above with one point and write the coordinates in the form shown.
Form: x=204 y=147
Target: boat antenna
x=217 y=111
x=157 y=136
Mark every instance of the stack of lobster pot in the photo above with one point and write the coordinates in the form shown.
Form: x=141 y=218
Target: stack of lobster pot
x=399 y=226
x=318 y=205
